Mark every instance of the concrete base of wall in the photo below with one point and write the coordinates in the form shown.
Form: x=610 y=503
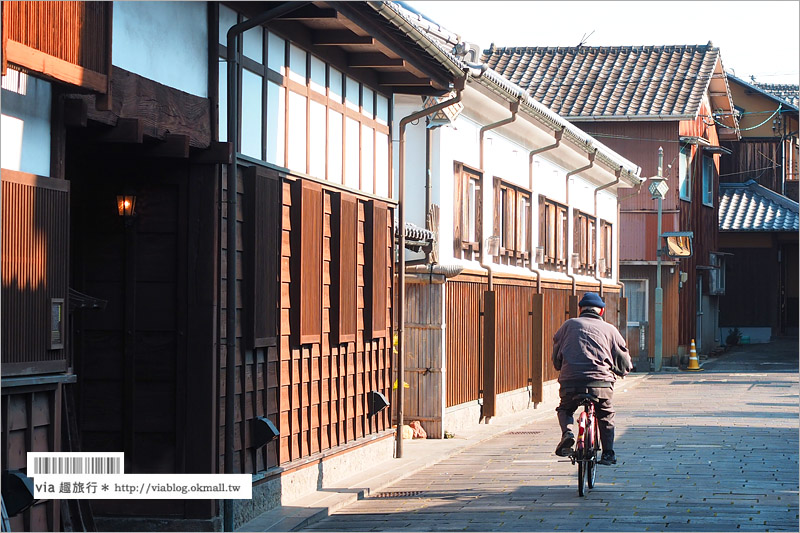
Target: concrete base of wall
x=328 y=471
x=469 y=414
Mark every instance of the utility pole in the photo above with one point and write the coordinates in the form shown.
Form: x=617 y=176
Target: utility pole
x=658 y=190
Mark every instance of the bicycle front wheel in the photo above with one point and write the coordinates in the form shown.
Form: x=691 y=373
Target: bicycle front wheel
x=581 y=477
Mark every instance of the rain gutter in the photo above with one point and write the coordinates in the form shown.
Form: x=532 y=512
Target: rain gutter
x=459 y=87
x=558 y=135
x=233 y=133
x=514 y=108
x=597 y=229
x=570 y=266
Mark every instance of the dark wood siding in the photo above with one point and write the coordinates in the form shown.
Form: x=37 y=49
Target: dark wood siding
x=31 y=422
x=463 y=304
x=375 y=273
x=321 y=386
x=35 y=257
x=513 y=336
x=56 y=37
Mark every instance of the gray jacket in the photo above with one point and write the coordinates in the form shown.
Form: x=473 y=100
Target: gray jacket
x=587 y=349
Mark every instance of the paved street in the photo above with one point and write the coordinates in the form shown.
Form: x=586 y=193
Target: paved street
x=715 y=450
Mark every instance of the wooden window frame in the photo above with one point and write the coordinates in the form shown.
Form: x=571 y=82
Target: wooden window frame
x=464 y=211
x=263 y=207
x=344 y=267
x=375 y=269
x=708 y=163
x=553 y=228
x=584 y=241
x=308 y=199
x=607 y=247
x=685 y=166
x=508 y=223
x=306 y=91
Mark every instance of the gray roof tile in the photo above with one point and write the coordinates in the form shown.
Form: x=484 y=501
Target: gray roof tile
x=752 y=207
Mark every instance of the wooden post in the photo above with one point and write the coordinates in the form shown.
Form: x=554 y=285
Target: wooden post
x=489 y=352
x=537 y=348
x=573 y=307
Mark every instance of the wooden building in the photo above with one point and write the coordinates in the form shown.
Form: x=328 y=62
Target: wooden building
x=758 y=230
x=768 y=151
x=524 y=209
x=687 y=110
x=174 y=329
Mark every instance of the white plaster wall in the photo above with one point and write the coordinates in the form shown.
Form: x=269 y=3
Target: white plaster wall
x=164 y=41
x=25 y=123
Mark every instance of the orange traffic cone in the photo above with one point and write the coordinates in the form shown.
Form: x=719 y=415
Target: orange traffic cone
x=693 y=361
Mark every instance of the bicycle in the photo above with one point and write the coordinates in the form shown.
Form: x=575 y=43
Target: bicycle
x=587 y=444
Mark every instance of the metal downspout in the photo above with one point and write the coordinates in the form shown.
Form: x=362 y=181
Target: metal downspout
x=618 y=173
x=571 y=173
x=233 y=137
x=558 y=135
x=459 y=86
x=514 y=108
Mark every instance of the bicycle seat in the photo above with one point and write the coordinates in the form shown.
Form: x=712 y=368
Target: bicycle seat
x=585 y=396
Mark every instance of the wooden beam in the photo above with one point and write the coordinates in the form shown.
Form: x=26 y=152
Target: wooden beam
x=218 y=153
x=341 y=38
x=402 y=79
x=374 y=60
x=76 y=112
x=172 y=146
x=55 y=68
x=310 y=12
x=127 y=130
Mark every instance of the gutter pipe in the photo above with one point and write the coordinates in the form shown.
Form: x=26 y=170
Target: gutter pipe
x=618 y=173
x=514 y=108
x=571 y=173
x=233 y=136
x=558 y=135
x=459 y=86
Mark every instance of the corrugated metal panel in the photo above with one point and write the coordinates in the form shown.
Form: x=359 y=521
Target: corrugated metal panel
x=638 y=232
x=35 y=258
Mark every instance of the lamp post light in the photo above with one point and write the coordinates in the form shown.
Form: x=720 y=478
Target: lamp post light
x=658 y=190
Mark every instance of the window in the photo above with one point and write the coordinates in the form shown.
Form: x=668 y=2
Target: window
x=636 y=292
x=511 y=222
x=553 y=234
x=685 y=172
x=606 y=249
x=708 y=181
x=315 y=119
x=467 y=208
x=583 y=242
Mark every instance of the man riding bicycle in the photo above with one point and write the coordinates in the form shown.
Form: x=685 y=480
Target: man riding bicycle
x=589 y=354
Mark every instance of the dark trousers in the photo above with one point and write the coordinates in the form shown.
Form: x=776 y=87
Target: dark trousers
x=604 y=411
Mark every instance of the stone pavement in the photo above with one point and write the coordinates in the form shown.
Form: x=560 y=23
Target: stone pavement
x=715 y=450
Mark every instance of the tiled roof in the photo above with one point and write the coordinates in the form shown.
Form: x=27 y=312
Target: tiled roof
x=752 y=207
x=789 y=93
x=614 y=81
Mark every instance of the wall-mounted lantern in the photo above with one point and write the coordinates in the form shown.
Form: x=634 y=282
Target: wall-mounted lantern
x=493 y=245
x=126 y=205
x=539 y=255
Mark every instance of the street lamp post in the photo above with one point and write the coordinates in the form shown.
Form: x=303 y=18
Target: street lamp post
x=658 y=190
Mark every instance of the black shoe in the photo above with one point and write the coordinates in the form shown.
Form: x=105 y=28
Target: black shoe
x=608 y=458
x=564 y=448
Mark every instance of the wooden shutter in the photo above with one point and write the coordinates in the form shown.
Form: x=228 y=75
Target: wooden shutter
x=309 y=209
x=375 y=269
x=459 y=194
x=263 y=236
x=497 y=227
x=344 y=267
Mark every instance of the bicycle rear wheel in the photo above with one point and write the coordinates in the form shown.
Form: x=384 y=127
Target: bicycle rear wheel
x=592 y=449
x=582 y=477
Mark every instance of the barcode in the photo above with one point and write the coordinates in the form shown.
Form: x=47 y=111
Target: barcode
x=74 y=463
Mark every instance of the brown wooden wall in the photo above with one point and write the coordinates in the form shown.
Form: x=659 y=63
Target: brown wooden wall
x=67 y=41
x=35 y=259
x=313 y=380
x=515 y=353
x=31 y=422
x=758 y=159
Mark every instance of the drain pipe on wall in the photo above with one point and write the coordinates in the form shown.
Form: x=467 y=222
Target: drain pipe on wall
x=401 y=178
x=558 y=135
x=617 y=174
x=514 y=108
x=233 y=137
x=570 y=266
